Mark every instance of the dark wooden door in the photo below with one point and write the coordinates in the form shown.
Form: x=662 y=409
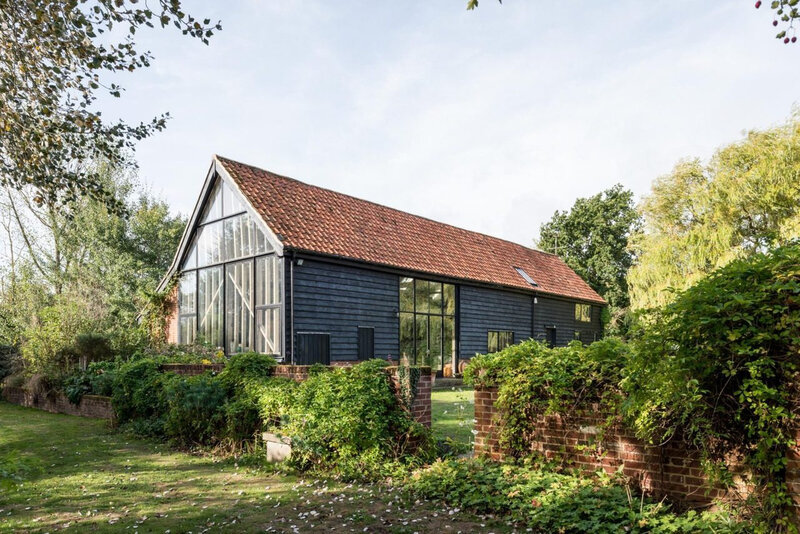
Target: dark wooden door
x=313 y=348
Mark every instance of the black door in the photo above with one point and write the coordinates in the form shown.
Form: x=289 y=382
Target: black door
x=313 y=348
x=366 y=343
x=551 y=336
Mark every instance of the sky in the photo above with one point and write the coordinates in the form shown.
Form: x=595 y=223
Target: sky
x=489 y=119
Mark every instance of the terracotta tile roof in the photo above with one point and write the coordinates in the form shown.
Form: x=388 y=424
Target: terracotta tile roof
x=312 y=219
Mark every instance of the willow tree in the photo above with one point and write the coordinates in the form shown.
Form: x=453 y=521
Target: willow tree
x=700 y=217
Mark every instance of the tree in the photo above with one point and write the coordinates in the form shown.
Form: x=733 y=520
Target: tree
x=81 y=268
x=54 y=59
x=786 y=12
x=701 y=217
x=592 y=238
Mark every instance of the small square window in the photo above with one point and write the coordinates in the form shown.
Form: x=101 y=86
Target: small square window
x=583 y=313
x=498 y=340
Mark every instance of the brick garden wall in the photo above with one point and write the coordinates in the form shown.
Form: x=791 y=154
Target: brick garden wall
x=671 y=470
x=90 y=405
x=420 y=408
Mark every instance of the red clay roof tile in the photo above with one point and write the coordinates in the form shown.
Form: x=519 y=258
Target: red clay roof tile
x=312 y=219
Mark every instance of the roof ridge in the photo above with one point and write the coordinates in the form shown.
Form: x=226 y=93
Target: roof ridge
x=260 y=169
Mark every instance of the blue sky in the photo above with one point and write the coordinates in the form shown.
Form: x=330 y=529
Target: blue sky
x=488 y=120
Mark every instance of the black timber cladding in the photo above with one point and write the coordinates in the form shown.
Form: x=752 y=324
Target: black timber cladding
x=338 y=299
x=552 y=312
x=484 y=309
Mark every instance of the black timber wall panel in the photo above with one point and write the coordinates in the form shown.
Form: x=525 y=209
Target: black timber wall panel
x=561 y=314
x=337 y=299
x=484 y=309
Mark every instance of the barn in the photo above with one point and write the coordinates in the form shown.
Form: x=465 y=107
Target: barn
x=275 y=265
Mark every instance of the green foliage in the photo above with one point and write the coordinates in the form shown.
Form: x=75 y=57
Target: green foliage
x=97 y=379
x=549 y=501
x=718 y=368
x=534 y=380
x=408 y=378
x=700 y=217
x=92 y=347
x=140 y=395
x=195 y=409
x=247 y=366
x=592 y=238
x=344 y=420
x=48 y=347
x=10 y=361
x=50 y=123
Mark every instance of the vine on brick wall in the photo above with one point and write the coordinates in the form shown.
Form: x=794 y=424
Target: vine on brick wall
x=408 y=380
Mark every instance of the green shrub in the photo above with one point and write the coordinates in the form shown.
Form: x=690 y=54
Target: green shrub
x=273 y=398
x=97 y=379
x=195 y=409
x=534 y=380
x=247 y=366
x=349 y=421
x=139 y=394
x=92 y=348
x=718 y=368
x=548 y=501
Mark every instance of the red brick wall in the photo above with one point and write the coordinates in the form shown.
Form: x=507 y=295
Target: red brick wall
x=672 y=470
x=172 y=319
x=90 y=405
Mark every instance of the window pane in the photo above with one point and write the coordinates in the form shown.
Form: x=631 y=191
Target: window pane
x=187 y=293
x=239 y=237
x=239 y=306
x=268 y=281
x=407 y=294
x=422 y=294
x=448 y=342
x=422 y=353
x=209 y=245
x=435 y=297
x=209 y=301
x=190 y=261
x=233 y=203
x=407 y=336
x=583 y=313
x=213 y=209
x=449 y=299
x=268 y=331
x=435 y=342
x=492 y=342
x=262 y=245
x=186 y=329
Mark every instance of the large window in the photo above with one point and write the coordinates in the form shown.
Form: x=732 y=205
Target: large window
x=427 y=322
x=236 y=275
x=583 y=313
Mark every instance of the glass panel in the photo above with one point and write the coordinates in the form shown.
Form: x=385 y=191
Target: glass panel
x=449 y=299
x=213 y=209
x=583 y=313
x=190 y=261
x=422 y=295
x=187 y=293
x=268 y=330
x=423 y=355
x=407 y=294
x=262 y=245
x=239 y=237
x=435 y=297
x=435 y=335
x=449 y=343
x=407 y=337
x=233 y=203
x=209 y=301
x=268 y=288
x=238 y=306
x=492 y=342
x=187 y=329
x=209 y=245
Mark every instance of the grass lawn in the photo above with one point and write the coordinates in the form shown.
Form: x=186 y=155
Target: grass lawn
x=452 y=413
x=93 y=480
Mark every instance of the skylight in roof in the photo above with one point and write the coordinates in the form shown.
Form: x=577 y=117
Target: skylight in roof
x=526 y=276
